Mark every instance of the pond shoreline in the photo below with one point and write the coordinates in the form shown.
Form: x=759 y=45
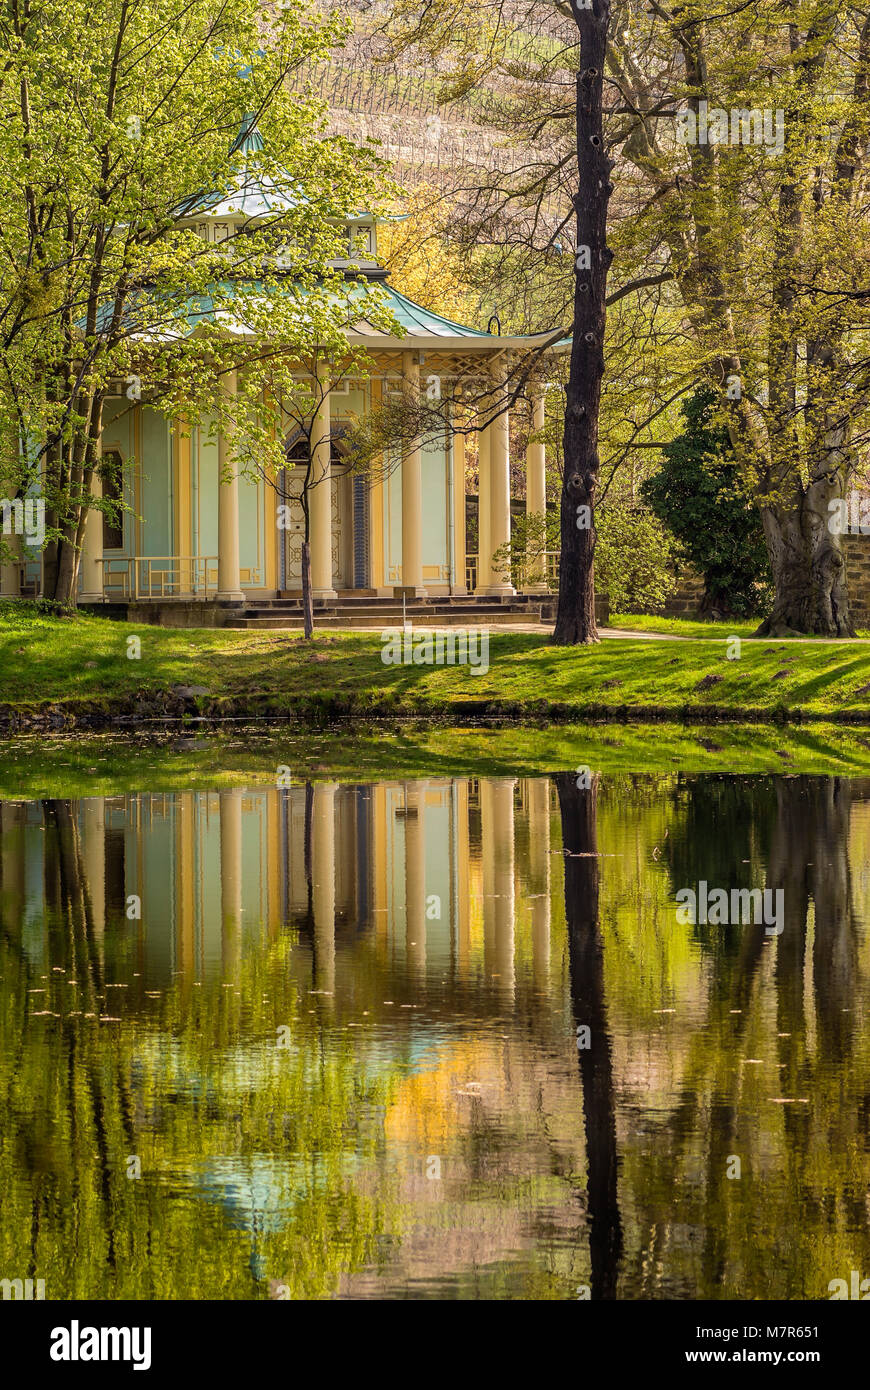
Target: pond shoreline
x=172 y=708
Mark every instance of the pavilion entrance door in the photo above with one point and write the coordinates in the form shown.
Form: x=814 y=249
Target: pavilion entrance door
x=342 y=530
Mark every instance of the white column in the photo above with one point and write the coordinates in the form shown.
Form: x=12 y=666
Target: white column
x=484 y=534
x=412 y=492
x=228 y=508
x=320 y=499
x=10 y=574
x=500 y=484
x=92 y=547
x=458 y=583
x=536 y=489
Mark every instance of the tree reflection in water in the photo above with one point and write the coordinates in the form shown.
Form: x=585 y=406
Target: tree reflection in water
x=427 y=953
x=579 y=812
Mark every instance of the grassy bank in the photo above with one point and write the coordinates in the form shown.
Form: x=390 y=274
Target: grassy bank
x=56 y=672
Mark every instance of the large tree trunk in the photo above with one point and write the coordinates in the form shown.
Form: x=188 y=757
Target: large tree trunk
x=808 y=568
x=575 y=618
x=60 y=571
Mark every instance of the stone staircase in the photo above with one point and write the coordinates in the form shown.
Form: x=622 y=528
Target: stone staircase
x=366 y=610
x=362 y=610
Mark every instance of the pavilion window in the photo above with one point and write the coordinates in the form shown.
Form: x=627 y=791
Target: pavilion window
x=359 y=242
x=112 y=473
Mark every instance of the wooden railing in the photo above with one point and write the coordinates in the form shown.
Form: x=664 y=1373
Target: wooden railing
x=159 y=576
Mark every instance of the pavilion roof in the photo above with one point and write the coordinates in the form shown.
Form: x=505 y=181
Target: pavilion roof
x=421 y=327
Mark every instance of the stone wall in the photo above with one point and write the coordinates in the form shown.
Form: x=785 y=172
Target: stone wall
x=685 y=600
x=686 y=597
x=857 y=552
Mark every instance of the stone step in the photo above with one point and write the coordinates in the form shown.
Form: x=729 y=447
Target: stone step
x=377 y=621
x=425 y=616
x=258 y=609
x=366 y=598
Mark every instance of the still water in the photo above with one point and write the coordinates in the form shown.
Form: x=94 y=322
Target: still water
x=443 y=1038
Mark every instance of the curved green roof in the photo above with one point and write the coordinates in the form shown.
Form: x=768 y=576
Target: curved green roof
x=418 y=320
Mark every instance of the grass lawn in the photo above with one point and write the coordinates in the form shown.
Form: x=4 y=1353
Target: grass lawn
x=690 y=627
x=81 y=664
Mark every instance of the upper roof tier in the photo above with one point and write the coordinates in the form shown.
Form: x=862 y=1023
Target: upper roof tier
x=254 y=194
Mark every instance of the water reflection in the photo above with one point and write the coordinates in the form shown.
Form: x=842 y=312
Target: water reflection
x=434 y=1038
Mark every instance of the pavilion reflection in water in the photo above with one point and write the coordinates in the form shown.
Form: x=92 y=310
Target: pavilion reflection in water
x=431 y=872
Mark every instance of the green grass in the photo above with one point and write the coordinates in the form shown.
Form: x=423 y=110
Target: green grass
x=695 y=627
x=80 y=665
x=681 y=627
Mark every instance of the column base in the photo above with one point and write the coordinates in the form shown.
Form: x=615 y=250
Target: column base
x=496 y=591
x=91 y=598
x=410 y=591
x=230 y=596
x=323 y=593
x=536 y=588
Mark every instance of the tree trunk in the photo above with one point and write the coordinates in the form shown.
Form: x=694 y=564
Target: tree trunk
x=307 y=600
x=66 y=583
x=809 y=571
x=575 y=617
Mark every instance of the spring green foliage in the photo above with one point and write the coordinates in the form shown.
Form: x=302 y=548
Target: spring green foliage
x=632 y=553
x=699 y=494
x=532 y=535
x=632 y=556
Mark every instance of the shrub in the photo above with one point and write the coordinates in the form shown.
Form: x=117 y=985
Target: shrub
x=632 y=557
x=701 y=497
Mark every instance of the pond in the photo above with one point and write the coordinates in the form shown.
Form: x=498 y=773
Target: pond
x=448 y=1036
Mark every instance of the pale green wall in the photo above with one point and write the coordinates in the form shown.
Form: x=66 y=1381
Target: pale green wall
x=156 y=484
x=434 y=510
x=204 y=455
x=434 y=506
x=252 y=540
